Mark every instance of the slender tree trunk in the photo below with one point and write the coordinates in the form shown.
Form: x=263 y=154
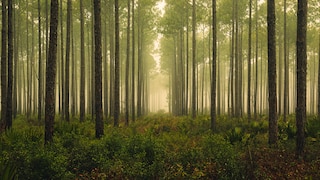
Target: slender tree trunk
x=40 y=64
x=112 y=58
x=62 y=74
x=4 y=52
x=117 y=67
x=301 y=48
x=319 y=79
x=194 y=87
x=51 y=73
x=286 y=71
x=10 y=65
x=67 y=67
x=133 y=65
x=273 y=128
x=83 y=70
x=127 y=67
x=256 y=67
x=98 y=69
x=249 y=62
x=214 y=59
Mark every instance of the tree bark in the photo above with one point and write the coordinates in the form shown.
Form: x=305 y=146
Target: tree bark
x=82 y=64
x=249 y=62
x=127 y=67
x=40 y=64
x=214 y=59
x=51 y=73
x=301 y=50
x=10 y=65
x=4 y=65
x=272 y=85
x=67 y=67
x=98 y=69
x=117 y=67
x=194 y=86
x=133 y=65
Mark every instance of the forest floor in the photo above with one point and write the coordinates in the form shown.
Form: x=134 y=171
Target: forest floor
x=159 y=146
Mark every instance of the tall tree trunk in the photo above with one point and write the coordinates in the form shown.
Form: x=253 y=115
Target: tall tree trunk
x=249 y=62
x=40 y=64
x=127 y=67
x=214 y=59
x=51 y=73
x=272 y=85
x=10 y=65
x=286 y=71
x=133 y=65
x=117 y=67
x=194 y=87
x=83 y=70
x=4 y=65
x=139 y=70
x=62 y=74
x=67 y=67
x=301 y=48
x=319 y=79
x=112 y=54
x=98 y=69
x=256 y=66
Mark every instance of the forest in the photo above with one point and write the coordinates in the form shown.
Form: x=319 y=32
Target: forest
x=160 y=89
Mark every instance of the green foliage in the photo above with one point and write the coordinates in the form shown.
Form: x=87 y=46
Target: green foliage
x=8 y=171
x=313 y=127
x=155 y=147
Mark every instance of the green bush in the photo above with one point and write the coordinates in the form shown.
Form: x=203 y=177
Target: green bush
x=218 y=150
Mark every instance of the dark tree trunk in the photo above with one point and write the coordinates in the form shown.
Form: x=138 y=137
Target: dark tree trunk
x=40 y=64
x=133 y=65
x=286 y=71
x=127 y=67
x=67 y=67
x=319 y=79
x=83 y=70
x=51 y=73
x=256 y=66
x=117 y=67
x=62 y=102
x=249 y=62
x=194 y=87
x=273 y=128
x=214 y=59
x=98 y=69
x=301 y=48
x=4 y=65
x=10 y=65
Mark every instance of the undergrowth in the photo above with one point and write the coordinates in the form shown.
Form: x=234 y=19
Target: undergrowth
x=157 y=146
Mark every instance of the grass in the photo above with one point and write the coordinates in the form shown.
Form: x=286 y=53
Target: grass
x=159 y=146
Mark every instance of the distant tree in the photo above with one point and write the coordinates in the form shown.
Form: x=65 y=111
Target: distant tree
x=301 y=50
x=98 y=69
x=67 y=67
x=319 y=78
x=4 y=65
x=40 y=93
x=286 y=68
x=10 y=65
x=82 y=65
x=271 y=19
x=249 y=61
x=194 y=87
x=133 y=104
x=213 y=70
x=127 y=65
x=51 y=73
x=117 y=66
